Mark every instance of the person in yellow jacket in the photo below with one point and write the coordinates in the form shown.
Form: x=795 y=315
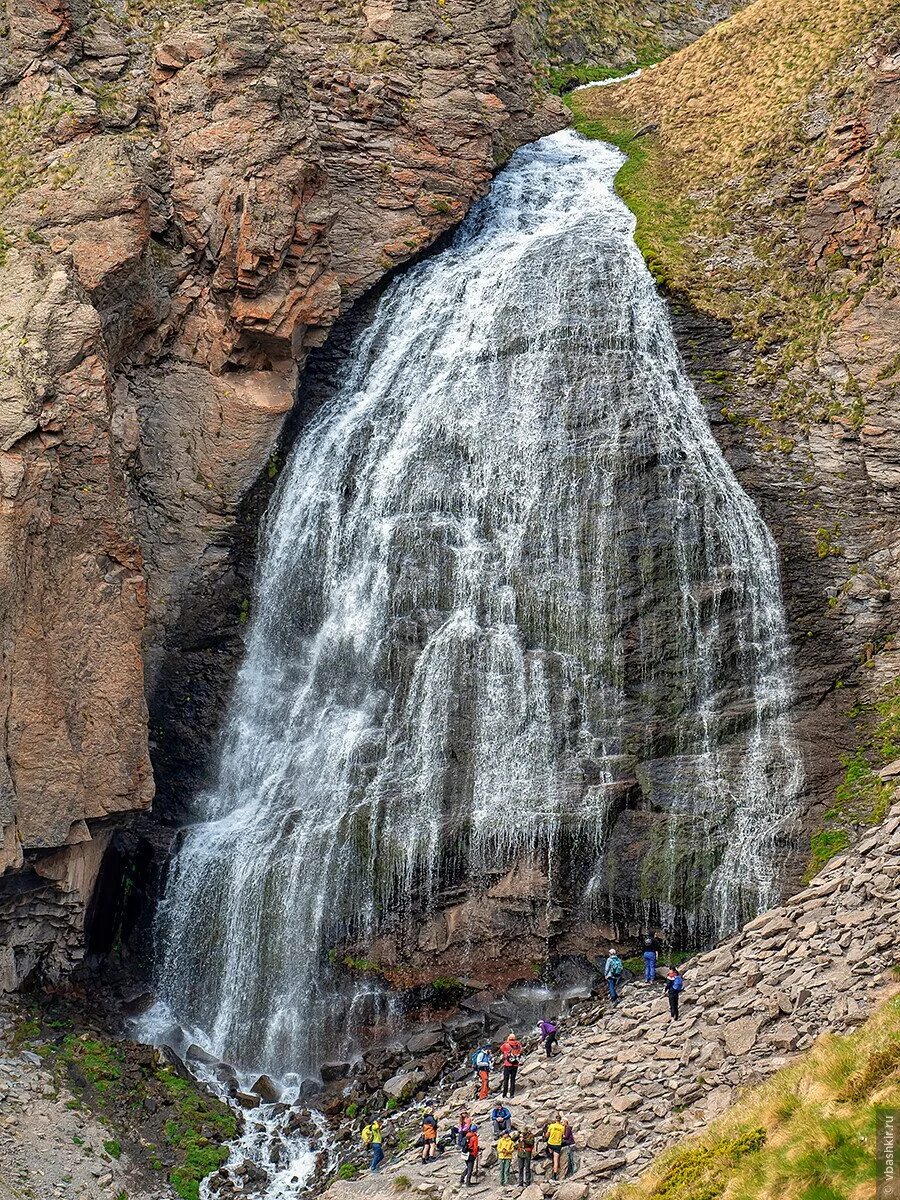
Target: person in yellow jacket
x=372 y=1137
x=505 y=1150
x=554 y=1132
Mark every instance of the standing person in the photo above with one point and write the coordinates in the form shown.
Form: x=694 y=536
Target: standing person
x=650 y=952
x=429 y=1135
x=555 y=1132
x=372 y=1137
x=483 y=1061
x=612 y=973
x=502 y=1119
x=674 y=988
x=505 y=1148
x=569 y=1145
x=549 y=1035
x=525 y=1153
x=471 y=1152
x=512 y=1056
x=462 y=1130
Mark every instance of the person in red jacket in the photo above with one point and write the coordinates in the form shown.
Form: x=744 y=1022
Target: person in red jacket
x=512 y=1056
x=471 y=1160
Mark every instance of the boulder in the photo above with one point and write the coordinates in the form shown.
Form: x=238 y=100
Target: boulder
x=740 y=1035
x=571 y=1189
x=332 y=1071
x=401 y=1087
x=267 y=1089
x=195 y=1053
x=247 y=1099
x=605 y=1137
x=421 y=1043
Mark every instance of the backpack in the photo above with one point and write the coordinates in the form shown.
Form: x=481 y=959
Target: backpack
x=615 y=966
x=481 y=1059
x=677 y=984
x=514 y=1054
x=462 y=1140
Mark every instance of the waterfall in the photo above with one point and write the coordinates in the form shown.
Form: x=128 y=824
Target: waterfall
x=505 y=568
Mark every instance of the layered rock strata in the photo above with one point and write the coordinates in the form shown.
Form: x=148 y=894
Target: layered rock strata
x=188 y=201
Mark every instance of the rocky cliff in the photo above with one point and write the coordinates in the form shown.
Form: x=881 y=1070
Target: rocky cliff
x=188 y=201
x=763 y=172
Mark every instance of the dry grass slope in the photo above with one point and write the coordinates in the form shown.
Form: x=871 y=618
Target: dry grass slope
x=724 y=103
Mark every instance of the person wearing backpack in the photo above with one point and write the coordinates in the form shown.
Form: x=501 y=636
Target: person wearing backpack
x=462 y=1131
x=612 y=973
x=429 y=1135
x=674 y=988
x=483 y=1062
x=372 y=1138
x=524 y=1154
x=549 y=1035
x=512 y=1056
x=471 y=1153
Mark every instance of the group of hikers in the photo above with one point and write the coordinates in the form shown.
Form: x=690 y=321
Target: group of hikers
x=614 y=970
x=520 y=1143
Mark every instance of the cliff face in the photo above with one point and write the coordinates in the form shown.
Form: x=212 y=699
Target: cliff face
x=764 y=175
x=188 y=201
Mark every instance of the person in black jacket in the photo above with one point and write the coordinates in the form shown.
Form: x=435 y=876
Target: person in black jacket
x=674 y=988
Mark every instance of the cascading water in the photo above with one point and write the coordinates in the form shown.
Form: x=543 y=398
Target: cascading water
x=506 y=563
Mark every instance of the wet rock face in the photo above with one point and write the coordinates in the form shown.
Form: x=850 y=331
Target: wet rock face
x=183 y=219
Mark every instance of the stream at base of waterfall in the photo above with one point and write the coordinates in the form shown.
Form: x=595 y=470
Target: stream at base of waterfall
x=506 y=566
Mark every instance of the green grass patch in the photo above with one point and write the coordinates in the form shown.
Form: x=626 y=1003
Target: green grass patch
x=662 y=220
x=861 y=799
x=113 y=1148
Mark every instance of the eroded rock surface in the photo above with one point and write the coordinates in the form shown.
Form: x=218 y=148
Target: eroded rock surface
x=188 y=202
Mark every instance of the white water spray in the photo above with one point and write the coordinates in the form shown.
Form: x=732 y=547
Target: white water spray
x=506 y=567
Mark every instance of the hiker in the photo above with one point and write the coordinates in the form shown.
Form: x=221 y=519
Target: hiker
x=483 y=1062
x=554 y=1132
x=372 y=1137
x=502 y=1119
x=649 y=953
x=549 y=1035
x=429 y=1135
x=461 y=1132
x=525 y=1153
x=512 y=1056
x=505 y=1148
x=674 y=988
x=471 y=1153
x=612 y=973
x=569 y=1147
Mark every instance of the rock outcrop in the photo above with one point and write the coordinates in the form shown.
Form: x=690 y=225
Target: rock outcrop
x=766 y=186
x=632 y=1082
x=188 y=202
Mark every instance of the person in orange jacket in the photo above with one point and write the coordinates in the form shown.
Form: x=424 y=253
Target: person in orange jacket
x=471 y=1160
x=512 y=1056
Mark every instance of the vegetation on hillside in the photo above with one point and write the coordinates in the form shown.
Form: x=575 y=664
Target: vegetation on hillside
x=181 y=1136
x=808 y=1133
x=862 y=797
x=706 y=133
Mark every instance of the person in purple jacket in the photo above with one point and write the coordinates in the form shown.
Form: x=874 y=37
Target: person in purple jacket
x=549 y=1035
